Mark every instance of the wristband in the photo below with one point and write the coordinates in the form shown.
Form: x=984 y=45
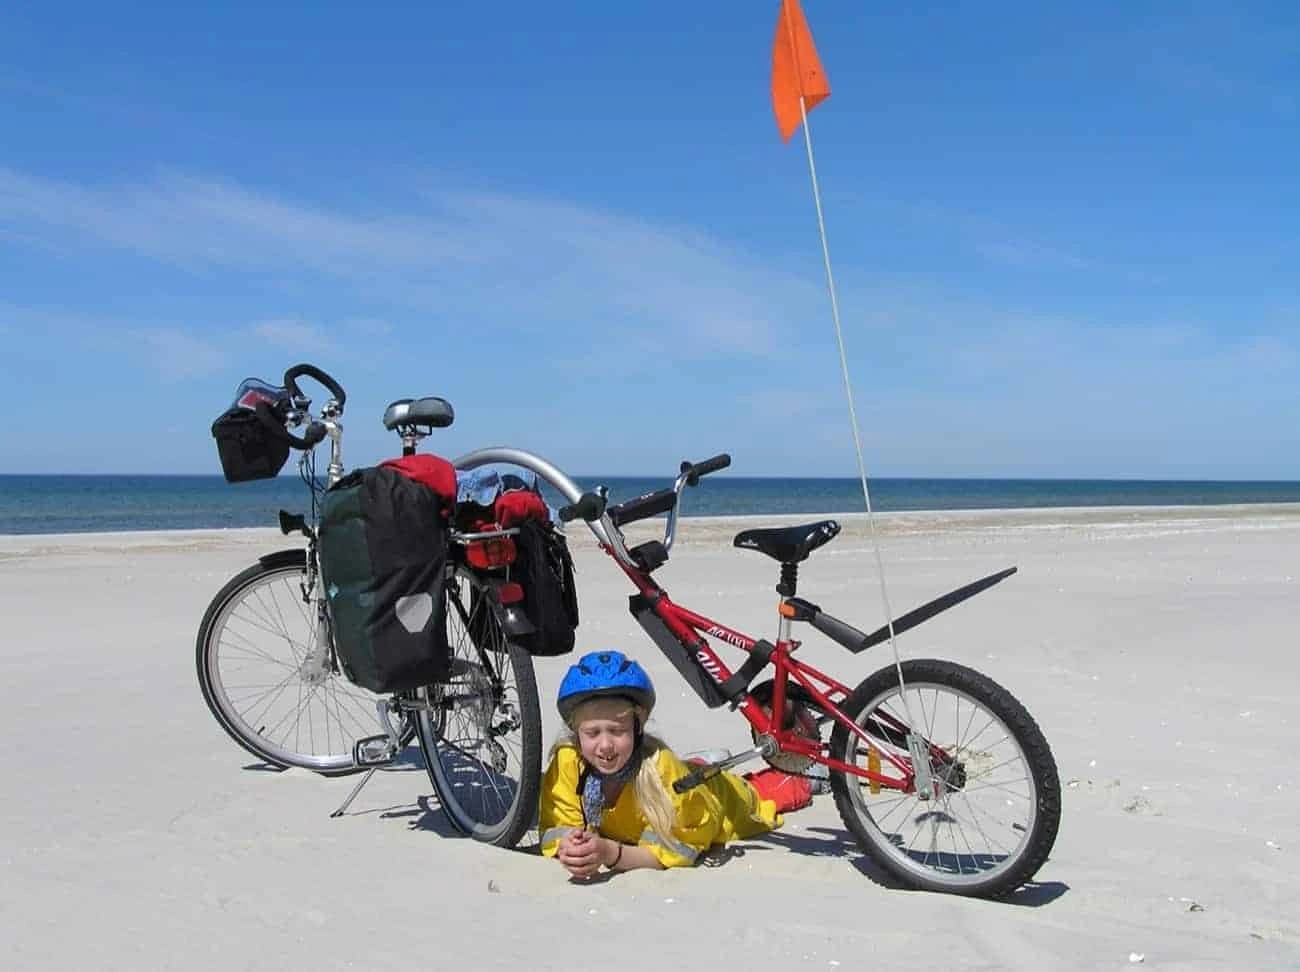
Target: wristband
x=617 y=857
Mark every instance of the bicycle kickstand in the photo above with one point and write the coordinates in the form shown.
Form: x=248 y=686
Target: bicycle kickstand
x=343 y=807
x=372 y=751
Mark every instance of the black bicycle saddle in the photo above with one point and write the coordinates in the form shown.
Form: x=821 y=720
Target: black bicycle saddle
x=789 y=545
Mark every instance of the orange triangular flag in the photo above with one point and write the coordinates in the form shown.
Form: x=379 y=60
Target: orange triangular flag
x=796 y=71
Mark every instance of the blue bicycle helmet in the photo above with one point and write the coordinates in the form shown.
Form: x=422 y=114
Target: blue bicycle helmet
x=604 y=673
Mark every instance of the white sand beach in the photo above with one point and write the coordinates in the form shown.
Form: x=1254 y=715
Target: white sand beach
x=1156 y=648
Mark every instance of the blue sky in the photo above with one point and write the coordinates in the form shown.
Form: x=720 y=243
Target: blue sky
x=1067 y=239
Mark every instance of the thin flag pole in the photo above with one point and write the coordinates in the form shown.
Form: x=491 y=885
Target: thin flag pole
x=848 y=390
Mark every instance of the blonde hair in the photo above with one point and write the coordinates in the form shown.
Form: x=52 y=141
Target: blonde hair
x=652 y=797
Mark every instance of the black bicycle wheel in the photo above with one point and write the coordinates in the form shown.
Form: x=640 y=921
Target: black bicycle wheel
x=994 y=803
x=481 y=731
x=266 y=675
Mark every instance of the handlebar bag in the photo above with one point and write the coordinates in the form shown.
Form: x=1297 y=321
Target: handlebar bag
x=544 y=569
x=253 y=446
x=384 y=539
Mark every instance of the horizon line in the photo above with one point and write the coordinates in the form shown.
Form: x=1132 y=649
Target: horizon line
x=732 y=477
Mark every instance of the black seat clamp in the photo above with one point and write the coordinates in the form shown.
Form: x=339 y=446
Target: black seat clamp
x=734 y=688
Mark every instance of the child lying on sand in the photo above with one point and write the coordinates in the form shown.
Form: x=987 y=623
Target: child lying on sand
x=607 y=797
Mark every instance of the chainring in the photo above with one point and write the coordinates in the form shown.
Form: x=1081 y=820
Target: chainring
x=801 y=714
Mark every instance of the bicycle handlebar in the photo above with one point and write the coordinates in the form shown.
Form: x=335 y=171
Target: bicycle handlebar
x=311 y=371
x=592 y=505
x=694 y=470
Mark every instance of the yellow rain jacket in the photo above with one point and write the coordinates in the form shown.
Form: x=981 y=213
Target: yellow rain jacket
x=701 y=823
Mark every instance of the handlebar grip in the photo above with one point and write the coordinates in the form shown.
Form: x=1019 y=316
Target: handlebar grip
x=314 y=433
x=311 y=371
x=589 y=507
x=650 y=504
x=694 y=470
x=694 y=778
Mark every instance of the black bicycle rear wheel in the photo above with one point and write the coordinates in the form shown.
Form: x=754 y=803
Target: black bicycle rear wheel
x=994 y=806
x=481 y=731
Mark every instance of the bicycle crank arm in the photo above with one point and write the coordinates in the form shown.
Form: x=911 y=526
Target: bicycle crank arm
x=700 y=774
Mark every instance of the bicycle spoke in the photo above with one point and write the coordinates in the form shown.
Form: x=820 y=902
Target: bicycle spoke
x=978 y=826
x=268 y=616
x=254 y=652
x=911 y=800
x=1001 y=786
x=997 y=766
x=289 y=714
x=361 y=727
x=297 y=723
x=278 y=688
x=956 y=852
x=983 y=729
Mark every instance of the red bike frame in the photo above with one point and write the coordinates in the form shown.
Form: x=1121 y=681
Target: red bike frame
x=688 y=627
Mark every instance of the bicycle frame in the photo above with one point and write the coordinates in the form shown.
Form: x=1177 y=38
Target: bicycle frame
x=687 y=627
x=827 y=692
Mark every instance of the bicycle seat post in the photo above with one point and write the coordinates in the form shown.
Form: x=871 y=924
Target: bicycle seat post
x=411 y=436
x=786 y=588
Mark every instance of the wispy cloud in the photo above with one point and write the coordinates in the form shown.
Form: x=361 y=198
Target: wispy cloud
x=177 y=355
x=994 y=241
x=494 y=260
x=289 y=334
x=181 y=219
x=523 y=294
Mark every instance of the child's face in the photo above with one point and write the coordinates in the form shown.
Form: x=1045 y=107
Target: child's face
x=606 y=734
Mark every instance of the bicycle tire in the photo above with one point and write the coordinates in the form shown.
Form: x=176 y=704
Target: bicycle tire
x=259 y=616
x=481 y=730
x=947 y=695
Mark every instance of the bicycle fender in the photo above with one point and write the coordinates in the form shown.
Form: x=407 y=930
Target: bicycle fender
x=283 y=558
x=855 y=641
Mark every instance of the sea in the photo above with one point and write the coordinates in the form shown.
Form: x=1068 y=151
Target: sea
x=99 y=504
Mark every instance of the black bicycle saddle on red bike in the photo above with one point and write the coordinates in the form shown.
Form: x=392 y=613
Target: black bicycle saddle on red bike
x=789 y=545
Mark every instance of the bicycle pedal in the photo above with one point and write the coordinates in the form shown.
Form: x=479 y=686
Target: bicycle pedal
x=374 y=751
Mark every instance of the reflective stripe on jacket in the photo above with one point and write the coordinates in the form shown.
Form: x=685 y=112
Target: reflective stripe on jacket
x=722 y=809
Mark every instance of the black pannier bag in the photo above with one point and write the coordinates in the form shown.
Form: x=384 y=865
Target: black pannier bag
x=383 y=544
x=544 y=569
x=251 y=438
